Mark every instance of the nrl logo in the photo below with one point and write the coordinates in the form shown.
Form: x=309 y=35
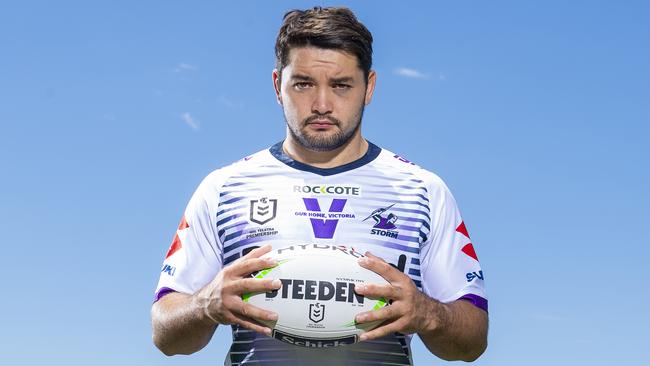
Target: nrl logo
x=316 y=312
x=263 y=210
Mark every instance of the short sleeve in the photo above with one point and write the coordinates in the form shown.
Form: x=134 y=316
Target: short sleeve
x=192 y=260
x=449 y=263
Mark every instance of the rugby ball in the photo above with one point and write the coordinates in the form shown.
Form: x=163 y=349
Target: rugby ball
x=316 y=304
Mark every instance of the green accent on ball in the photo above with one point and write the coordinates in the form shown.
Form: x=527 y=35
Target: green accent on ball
x=261 y=274
x=350 y=324
x=380 y=304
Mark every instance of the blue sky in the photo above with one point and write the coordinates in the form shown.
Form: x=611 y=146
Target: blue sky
x=536 y=114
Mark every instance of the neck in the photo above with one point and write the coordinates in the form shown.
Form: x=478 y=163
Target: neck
x=351 y=151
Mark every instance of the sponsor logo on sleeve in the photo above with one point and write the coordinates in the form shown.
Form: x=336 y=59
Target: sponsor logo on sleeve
x=176 y=243
x=170 y=270
x=468 y=248
x=474 y=275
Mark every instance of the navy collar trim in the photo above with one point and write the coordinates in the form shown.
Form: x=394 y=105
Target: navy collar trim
x=370 y=155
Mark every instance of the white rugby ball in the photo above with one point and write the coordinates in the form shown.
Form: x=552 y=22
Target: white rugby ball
x=316 y=304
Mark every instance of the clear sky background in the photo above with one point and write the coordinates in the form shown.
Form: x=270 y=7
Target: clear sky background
x=535 y=113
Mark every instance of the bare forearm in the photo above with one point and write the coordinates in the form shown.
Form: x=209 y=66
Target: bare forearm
x=179 y=325
x=460 y=333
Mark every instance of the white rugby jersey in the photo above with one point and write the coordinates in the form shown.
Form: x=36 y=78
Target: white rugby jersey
x=380 y=203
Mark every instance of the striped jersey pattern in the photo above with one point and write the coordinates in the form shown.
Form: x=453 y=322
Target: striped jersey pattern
x=380 y=203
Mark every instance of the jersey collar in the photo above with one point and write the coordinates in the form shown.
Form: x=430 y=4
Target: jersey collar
x=370 y=155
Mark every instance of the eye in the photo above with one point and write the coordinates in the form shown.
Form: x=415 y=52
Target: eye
x=301 y=85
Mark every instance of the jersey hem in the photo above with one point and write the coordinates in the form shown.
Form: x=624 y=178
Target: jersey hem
x=162 y=292
x=476 y=300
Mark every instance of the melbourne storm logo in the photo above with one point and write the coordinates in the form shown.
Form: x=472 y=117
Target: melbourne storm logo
x=384 y=224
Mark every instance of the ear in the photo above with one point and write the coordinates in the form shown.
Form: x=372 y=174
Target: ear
x=370 y=86
x=276 y=85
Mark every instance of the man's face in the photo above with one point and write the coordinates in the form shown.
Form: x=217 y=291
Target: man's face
x=323 y=93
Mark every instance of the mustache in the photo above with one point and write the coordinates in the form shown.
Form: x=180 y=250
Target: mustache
x=314 y=117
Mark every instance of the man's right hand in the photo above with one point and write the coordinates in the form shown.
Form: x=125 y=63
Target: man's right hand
x=221 y=299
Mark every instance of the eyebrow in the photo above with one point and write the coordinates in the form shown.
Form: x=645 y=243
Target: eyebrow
x=344 y=79
x=301 y=77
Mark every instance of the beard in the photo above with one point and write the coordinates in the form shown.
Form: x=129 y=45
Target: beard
x=324 y=142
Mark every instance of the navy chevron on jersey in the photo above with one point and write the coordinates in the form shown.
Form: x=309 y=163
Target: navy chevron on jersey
x=380 y=203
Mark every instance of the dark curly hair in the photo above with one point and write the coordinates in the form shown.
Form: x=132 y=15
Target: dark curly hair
x=334 y=28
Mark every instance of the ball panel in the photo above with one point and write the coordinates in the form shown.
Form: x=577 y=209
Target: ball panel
x=317 y=302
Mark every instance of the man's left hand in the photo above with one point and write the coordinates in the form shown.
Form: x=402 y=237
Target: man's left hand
x=410 y=310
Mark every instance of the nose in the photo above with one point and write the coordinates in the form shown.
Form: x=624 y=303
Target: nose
x=322 y=103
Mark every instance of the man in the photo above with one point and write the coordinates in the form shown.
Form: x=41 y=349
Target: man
x=418 y=242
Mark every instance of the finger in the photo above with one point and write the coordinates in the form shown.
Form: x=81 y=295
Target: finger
x=251 y=324
x=381 y=331
x=253 y=312
x=379 y=266
x=375 y=290
x=370 y=255
x=385 y=313
x=249 y=285
x=258 y=252
x=244 y=267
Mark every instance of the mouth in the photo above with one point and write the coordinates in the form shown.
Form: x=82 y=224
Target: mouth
x=321 y=126
x=320 y=122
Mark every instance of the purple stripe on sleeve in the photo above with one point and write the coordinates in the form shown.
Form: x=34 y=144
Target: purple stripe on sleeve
x=478 y=301
x=162 y=292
